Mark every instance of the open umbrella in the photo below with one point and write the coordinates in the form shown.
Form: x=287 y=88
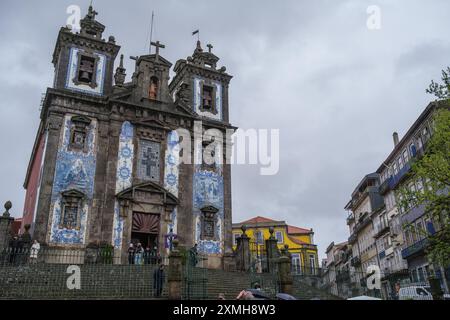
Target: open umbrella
x=285 y=296
x=258 y=294
x=363 y=298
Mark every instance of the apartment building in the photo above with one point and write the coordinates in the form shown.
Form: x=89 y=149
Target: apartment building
x=365 y=204
x=402 y=235
x=332 y=270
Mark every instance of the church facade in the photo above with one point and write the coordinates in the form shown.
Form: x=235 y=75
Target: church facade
x=105 y=166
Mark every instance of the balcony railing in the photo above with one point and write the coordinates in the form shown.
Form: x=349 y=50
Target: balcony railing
x=350 y=218
x=355 y=261
x=396 y=179
x=361 y=224
x=384 y=187
x=415 y=248
x=381 y=229
x=352 y=238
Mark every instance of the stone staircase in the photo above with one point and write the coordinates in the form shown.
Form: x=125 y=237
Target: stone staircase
x=232 y=283
x=48 y=281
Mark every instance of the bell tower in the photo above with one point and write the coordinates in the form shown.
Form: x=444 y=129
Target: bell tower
x=151 y=78
x=84 y=61
x=207 y=83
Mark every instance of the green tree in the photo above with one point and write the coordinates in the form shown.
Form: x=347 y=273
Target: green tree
x=432 y=171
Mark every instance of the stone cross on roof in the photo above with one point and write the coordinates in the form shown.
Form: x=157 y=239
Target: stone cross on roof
x=210 y=46
x=157 y=45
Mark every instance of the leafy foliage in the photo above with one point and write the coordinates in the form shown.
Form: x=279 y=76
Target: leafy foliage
x=441 y=91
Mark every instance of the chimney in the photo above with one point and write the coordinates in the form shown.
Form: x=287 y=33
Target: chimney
x=395 y=136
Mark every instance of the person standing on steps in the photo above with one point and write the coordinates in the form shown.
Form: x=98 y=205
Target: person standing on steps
x=158 y=280
x=34 y=251
x=138 y=254
x=193 y=256
x=131 y=254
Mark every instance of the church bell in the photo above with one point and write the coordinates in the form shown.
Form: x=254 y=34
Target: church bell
x=85 y=76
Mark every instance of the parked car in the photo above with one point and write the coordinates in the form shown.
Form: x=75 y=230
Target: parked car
x=415 y=293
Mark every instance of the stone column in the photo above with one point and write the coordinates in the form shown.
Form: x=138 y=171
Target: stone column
x=5 y=226
x=175 y=276
x=284 y=270
x=271 y=251
x=243 y=251
x=54 y=123
x=229 y=260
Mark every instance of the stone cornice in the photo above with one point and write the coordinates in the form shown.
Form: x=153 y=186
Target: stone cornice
x=66 y=37
x=187 y=68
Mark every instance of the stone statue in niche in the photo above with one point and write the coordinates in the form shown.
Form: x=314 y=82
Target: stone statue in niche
x=153 y=89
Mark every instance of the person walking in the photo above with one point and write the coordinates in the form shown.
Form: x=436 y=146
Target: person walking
x=158 y=280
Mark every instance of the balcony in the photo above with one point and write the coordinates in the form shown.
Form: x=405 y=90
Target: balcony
x=355 y=261
x=352 y=238
x=414 y=249
x=396 y=179
x=350 y=219
x=361 y=224
x=381 y=229
x=384 y=187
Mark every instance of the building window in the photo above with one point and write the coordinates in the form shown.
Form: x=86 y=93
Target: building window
x=208 y=222
x=312 y=263
x=71 y=209
x=235 y=237
x=148 y=160
x=412 y=150
x=78 y=133
x=258 y=237
x=208 y=99
x=419 y=142
x=405 y=156
x=296 y=265
x=400 y=163
x=86 y=72
x=153 y=89
x=425 y=133
x=279 y=236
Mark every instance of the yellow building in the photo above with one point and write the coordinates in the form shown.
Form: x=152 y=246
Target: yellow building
x=300 y=241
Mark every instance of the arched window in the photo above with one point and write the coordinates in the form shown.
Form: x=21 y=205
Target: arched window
x=153 y=89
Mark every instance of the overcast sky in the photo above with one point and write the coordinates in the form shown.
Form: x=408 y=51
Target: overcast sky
x=334 y=88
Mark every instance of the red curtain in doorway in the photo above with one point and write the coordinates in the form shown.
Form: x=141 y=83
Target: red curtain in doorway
x=146 y=223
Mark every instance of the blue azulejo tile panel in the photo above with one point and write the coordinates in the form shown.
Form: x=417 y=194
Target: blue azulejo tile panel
x=73 y=69
x=75 y=170
x=123 y=176
x=171 y=173
x=208 y=191
x=198 y=83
